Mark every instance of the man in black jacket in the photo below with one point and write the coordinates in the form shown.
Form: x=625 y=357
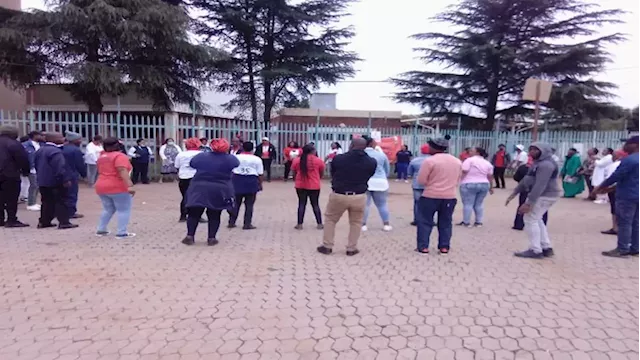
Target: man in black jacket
x=14 y=161
x=350 y=173
x=267 y=152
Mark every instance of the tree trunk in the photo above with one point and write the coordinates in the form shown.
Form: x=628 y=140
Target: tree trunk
x=252 y=85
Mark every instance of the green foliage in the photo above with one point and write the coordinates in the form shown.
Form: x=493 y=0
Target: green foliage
x=280 y=50
x=108 y=47
x=498 y=44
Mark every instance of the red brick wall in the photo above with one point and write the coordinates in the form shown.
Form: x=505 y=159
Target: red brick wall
x=335 y=121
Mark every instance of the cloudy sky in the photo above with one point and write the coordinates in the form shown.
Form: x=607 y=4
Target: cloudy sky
x=382 y=40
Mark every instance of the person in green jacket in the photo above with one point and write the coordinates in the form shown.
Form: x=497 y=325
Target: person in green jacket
x=572 y=181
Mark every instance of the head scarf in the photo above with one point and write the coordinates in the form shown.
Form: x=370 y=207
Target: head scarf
x=424 y=149
x=220 y=145
x=192 y=143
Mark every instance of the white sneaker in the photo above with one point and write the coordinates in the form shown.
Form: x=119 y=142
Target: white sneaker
x=396 y=180
x=387 y=228
x=35 y=207
x=364 y=228
x=406 y=181
x=600 y=201
x=128 y=235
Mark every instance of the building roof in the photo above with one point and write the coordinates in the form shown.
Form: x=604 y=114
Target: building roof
x=340 y=113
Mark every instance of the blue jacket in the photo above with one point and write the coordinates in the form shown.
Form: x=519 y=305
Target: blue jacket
x=75 y=161
x=626 y=179
x=51 y=167
x=31 y=151
x=414 y=169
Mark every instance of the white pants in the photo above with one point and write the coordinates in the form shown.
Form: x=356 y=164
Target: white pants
x=535 y=227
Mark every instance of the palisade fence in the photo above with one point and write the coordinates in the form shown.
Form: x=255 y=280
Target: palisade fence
x=157 y=127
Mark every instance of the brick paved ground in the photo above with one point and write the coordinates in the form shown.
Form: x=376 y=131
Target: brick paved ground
x=266 y=294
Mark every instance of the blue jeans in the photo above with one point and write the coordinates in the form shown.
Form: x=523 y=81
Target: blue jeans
x=119 y=204
x=627 y=217
x=428 y=207
x=401 y=169
x=417 y=194
x=473 y=195
x=380 y=199
x=71 y=198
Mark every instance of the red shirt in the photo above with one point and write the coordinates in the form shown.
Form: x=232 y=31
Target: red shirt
x=500 y=159
x=315 y=169
x=109 y=181
x=464 y=156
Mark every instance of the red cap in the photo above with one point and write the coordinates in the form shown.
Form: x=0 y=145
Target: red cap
x=424 y=149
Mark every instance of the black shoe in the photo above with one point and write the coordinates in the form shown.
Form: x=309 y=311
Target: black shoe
x=609 y=232
x=203 y=220
x=517 y=228
x=231 y=226
x=529 y=254
x=188 y=240
x=212 y=242
x=248 y=227
x=616 y=253
x=15 y=224
x=547 y=252
x=77 y=216
x=182 y=219
x=298 y=227
x=320 y=227
x=353 y=252
x=413 y=223
x=67 y=226
x=44 y=226
x=324 y=250
x=634 y=253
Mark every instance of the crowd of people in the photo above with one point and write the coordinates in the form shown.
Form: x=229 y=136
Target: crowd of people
x=218 y=176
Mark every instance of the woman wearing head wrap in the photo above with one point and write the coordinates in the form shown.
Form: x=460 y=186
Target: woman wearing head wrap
x=210 y=189
x=617 y=156
x=185 y=171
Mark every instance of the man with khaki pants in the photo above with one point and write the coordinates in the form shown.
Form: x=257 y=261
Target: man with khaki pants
x=350 y=173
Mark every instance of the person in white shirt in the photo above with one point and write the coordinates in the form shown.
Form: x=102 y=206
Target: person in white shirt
x=36 y=139
x=616 y=157
x=247 y=182
x=140 y=155
x=185 y=171
x=378 y=185
x=92 y=152
x=599 y=173
x=520 y=157
x=168 y=152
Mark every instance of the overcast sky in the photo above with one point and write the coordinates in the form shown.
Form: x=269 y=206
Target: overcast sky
x=382 y=40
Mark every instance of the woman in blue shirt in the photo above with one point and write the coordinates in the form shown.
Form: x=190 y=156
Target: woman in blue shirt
x=210 y=189
x=403 y=158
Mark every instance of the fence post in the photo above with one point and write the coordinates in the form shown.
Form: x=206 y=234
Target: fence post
x=414 y=142
x=118 y=118
x=458 y=128
x=317 y=129
x=369 y=125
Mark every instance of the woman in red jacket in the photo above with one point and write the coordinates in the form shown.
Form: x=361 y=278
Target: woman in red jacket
x=291 y=152
x=307 y=172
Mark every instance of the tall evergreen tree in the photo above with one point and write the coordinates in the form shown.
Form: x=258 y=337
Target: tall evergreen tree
x=108 y=47
x=280 y=49
x=498 y=45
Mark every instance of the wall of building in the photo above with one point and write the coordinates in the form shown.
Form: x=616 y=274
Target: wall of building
x=337 y=117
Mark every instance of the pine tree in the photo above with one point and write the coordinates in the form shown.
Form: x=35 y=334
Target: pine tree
x=497 y=45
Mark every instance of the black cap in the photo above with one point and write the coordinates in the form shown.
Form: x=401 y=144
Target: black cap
x=632 y=140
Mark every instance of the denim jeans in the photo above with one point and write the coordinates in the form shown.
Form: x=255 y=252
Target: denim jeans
x=473 y=195
x=92 y=174
x=119 y=204
x=32 y=198
x=417 y=194
x=428 y=207
x=380 y=199
x=627 y=217
x=535 y=227
x=401 y=168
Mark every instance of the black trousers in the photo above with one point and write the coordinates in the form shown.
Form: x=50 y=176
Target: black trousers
x=498 y=176
x=9 y=194
x=193 y=219
x=287 y=170
x=53 y=205
x=518 y=222
x=313 y=195
x=183 y=185
x=249 y=201
x=266 y=163
x=140 y=172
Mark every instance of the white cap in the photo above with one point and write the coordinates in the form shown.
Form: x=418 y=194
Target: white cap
x=520 y=147
x=265 y=139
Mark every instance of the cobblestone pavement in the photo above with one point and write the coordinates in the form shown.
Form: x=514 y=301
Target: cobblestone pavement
x=267 y=294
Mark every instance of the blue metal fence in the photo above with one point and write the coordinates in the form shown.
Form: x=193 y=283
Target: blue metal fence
x=156 y=127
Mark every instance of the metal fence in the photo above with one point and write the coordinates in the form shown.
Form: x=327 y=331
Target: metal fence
x=156 y=127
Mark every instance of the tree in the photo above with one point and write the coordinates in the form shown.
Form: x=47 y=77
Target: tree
x=108 y=47
x=497 y=45
x=280 y=51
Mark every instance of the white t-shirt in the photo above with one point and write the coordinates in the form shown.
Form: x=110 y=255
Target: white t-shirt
x=523 y=157
x=250 y=165
x=36 y=146
x=92 y=152
x=182 y=163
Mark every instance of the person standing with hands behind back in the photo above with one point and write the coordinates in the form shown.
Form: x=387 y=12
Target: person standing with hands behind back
x=140 y=155
x=267 y=152
x=115 y=188
x=54 y=181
